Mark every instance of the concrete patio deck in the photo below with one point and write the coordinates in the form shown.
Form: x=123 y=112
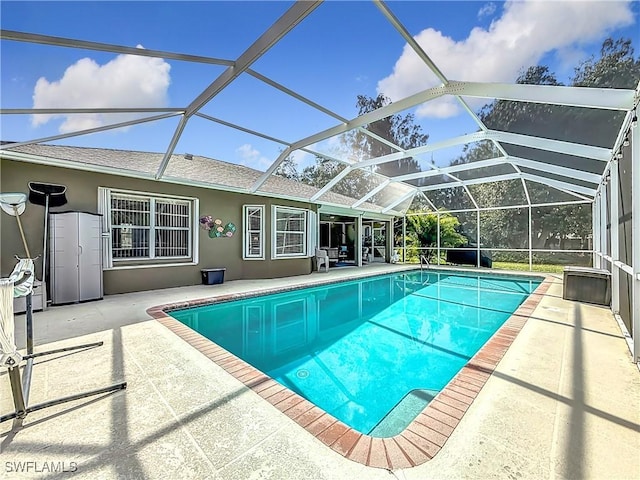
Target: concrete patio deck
x=564 y=402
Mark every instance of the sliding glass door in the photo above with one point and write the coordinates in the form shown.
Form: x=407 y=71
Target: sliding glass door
x=374 y=241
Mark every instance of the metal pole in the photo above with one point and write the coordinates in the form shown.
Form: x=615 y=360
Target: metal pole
x=16 y=389
x=615 y=245
x=64 y=349
x=438 y=235
x=530 y=242
x=26 y=380
x=478 y=238
x=404 y=238
x=44 y=252
x=29 y=302
x=358 y=240
x=603 y=223
x=388 y=240
x=635 y=237
x=596 y=230
x=24 y=240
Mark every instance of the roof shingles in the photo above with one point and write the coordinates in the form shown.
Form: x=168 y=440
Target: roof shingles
x=201 y=170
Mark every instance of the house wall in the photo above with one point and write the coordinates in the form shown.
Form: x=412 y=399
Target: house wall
x=82 y=195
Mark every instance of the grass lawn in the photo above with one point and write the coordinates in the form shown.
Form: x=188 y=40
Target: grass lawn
x=521 y=267
x=524 y=267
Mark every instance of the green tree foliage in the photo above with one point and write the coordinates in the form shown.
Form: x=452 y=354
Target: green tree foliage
x=616 y=67
x=422 y=232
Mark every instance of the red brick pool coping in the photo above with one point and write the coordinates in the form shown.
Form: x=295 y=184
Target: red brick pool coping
x=419 y=442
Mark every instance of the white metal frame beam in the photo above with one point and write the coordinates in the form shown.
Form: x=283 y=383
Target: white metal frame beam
x=510 y=160
x=490 y=162
x=473 y=181
x=398 y=201
x=595 y=216
x=603 y=223
x=567 y=148
x=600 y=98
x=615 y=238
x=513 y=176
x=242 y=129
x=138 y=121
x=107 y=47
x=509 y=207
x=560 y=185
x=43 y=111
x=450 y=142
x=556 y=169
x=587 y=151
x=635 y=237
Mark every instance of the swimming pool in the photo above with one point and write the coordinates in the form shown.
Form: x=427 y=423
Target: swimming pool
x=371 y=352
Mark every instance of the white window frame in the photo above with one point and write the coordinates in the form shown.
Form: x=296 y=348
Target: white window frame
x=275 y=209
x=246 y=251
x=105 y=196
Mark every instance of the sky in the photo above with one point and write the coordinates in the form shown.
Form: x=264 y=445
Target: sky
x=342 y=50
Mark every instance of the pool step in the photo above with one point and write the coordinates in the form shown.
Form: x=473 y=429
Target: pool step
x=403 y=413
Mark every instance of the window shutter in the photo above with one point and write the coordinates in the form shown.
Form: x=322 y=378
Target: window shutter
x=104 y=208
x=312 y=235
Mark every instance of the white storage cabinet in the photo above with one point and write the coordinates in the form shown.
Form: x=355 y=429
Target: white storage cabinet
x=75 y=255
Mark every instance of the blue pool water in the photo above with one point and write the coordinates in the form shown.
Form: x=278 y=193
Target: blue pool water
x=371 y=352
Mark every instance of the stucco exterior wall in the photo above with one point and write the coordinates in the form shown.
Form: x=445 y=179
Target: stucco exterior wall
x=82 y=195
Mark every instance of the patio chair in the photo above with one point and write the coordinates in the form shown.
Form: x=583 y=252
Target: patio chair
x=334 y=254
x=322 y=259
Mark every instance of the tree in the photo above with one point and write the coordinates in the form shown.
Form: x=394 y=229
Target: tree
x=422 y=232
x=398 y=129
x=355 y=185
x=288 y=169
x=616 y=67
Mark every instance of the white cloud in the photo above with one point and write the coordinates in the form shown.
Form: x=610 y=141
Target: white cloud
x=125 y=81
x=302 y=159
x=251 y=157
x=487 y=10
x=526 y=31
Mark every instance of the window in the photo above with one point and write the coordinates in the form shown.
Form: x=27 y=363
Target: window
x=253 y=220
x=289 y=232
x=289 y=325
x=145 y=228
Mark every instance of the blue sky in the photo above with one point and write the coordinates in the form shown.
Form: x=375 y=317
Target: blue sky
x=341 y=50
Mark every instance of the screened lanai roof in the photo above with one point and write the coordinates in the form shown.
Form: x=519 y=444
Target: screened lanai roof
x=231 y=91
